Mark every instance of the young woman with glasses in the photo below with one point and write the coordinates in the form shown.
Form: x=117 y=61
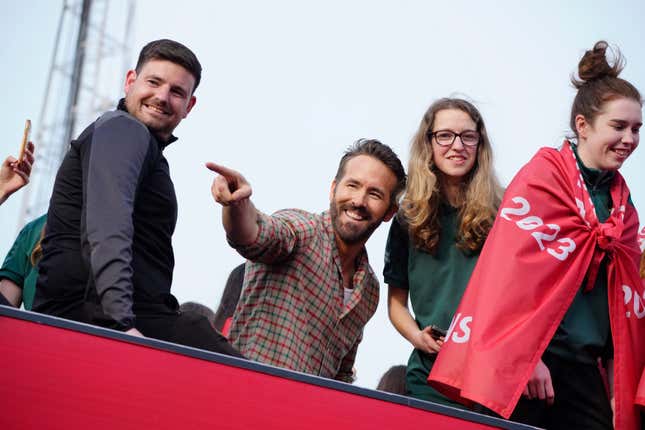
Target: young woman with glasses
x=556 y=300
x=448 y=208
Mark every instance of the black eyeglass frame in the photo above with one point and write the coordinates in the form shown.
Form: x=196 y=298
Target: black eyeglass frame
x=432 y=134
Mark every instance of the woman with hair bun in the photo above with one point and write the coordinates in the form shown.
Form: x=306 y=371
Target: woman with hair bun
x=448 y=208
x=556 y=293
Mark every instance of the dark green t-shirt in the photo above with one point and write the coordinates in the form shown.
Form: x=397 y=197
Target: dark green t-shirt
x=584 y=333
x=436 y=284
x=17 y=265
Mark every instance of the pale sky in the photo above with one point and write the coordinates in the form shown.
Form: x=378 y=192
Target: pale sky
x=288 y=85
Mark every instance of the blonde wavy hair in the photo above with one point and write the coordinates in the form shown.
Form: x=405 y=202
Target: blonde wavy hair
x=478 y=199
x=37 y=252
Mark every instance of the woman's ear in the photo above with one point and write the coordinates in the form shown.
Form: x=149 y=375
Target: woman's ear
x=582 y=126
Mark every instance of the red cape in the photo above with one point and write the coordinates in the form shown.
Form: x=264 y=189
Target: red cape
x=545 y=239
x=640 y=394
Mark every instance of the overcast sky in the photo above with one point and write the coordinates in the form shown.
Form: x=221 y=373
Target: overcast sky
x=288 y=85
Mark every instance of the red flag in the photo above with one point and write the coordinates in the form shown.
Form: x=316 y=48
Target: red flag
x=545 y=239
x=640 y=395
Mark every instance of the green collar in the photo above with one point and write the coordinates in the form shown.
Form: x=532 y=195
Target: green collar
x=593 y=177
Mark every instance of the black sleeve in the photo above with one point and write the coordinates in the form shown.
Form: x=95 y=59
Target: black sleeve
x=395 y=269
x=119 y=150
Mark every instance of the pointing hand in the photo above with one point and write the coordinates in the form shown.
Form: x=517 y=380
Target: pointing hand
x=229 y=187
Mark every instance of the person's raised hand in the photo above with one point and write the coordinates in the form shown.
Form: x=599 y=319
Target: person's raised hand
x=229 y=187
x=14 y=174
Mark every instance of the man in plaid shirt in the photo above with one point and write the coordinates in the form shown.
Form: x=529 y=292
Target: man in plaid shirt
x=308 y=288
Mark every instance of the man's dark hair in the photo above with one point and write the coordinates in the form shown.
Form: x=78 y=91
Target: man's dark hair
x=175 y=52
x=199 y=309
x=381 y=152
x=230 y=296
x=393 y=381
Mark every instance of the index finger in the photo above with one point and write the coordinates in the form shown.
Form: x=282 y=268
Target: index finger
x=222 y=170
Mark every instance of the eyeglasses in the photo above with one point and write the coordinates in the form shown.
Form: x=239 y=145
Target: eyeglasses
x=447 y=137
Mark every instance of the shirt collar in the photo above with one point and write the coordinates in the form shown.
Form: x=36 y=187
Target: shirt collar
x=593 y=177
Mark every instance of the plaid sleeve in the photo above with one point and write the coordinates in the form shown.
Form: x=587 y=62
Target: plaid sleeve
x=277 y=238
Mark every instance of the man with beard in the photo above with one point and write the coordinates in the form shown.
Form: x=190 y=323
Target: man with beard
x=308 y=288
x=107 y=255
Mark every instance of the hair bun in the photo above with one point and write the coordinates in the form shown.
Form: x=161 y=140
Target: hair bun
x=594 y=65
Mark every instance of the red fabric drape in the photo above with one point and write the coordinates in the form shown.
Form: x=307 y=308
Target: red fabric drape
x=545 y=239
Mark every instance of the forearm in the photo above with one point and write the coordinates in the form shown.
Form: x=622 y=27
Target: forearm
x=11 y=292
x=240 y=222
x=400 y=315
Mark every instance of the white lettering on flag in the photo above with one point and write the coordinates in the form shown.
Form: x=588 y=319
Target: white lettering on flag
x=459 y=330
x=639 y=302
x=532 y=222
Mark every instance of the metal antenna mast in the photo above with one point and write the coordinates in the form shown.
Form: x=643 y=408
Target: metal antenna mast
x=92 y=43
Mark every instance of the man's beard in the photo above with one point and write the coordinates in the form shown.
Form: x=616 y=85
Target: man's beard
x=159 y=127
x=351 y=234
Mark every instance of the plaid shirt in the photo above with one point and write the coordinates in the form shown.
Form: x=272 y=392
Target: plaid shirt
x=291 y=311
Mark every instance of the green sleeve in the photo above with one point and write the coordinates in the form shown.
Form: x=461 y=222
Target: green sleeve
x=17 y=263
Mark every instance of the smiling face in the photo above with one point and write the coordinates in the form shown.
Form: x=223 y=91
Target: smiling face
x=160 y=95
x=360 y=199
x=457 y=160
x=613 y=135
